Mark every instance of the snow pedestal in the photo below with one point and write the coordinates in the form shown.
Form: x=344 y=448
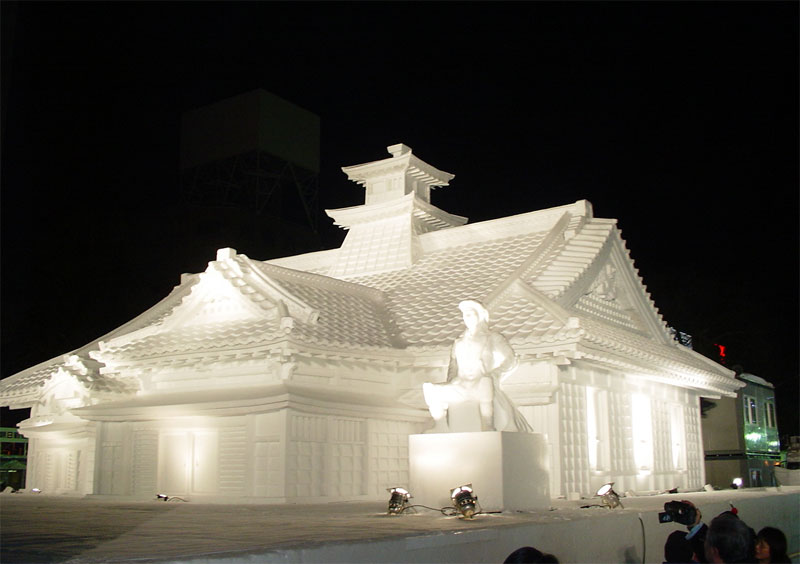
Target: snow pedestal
x=508 y=471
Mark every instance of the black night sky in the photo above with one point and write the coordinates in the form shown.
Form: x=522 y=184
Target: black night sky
x=678 y=119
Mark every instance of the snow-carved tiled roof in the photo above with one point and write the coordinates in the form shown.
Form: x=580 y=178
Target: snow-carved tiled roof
x=557 y=282
x=20 y=389
x=84 y=370
x=424 y=298
x=674 y=363
x=241 y=307
x=206 y=337
x=550 y=253
x=349 y=314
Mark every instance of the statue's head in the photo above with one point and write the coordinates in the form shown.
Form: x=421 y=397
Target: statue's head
x=474 y=313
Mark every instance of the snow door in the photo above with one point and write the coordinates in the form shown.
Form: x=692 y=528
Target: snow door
x=188 y=463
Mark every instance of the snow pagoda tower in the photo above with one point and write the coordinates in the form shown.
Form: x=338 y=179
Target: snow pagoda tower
x=299 y=379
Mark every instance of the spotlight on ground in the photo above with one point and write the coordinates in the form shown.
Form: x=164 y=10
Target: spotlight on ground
x=398 y=501
x=737 y=483
x=464 y=500
x=609 y=496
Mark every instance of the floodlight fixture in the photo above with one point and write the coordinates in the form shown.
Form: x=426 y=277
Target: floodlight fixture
x=609 y=496
x=737 y=483
x=398 y=501
x=464 y=500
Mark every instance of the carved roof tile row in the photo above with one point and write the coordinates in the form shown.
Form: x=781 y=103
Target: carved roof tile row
x=536 y=277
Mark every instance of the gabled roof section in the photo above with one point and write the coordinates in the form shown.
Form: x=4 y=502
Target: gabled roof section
x=558 y=283
x=585 y=267
x=248 y=306
x=608 y=286
x=233 y=287
x=23 y=388
x=471 y=262
x=235 y=304
x=231 y=305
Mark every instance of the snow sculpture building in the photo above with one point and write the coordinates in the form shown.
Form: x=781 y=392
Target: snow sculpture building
x=299 y=379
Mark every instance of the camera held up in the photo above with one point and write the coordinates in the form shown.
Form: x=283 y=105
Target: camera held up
x=679 y=512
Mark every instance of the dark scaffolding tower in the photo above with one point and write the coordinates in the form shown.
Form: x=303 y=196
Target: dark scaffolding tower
x=258 y=153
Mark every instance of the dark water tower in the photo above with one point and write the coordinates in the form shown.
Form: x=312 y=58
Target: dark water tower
x=256 y=153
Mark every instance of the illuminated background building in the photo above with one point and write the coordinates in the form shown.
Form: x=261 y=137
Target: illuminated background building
x=13 y=458
x=740 y=436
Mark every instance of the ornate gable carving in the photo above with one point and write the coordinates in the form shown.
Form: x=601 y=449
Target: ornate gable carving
x=605 y=285
x=617 y=296
x=214 y=300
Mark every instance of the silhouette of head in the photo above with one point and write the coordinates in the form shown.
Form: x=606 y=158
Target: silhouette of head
x=528 y=554
x=729 y=540
x=771 y=545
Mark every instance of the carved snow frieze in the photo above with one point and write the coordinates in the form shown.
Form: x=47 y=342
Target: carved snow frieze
x=605 y=286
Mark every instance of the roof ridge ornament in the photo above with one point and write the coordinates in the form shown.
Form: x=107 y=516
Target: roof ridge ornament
x=384 y=231
x=226 y=253
x=398 y=149
x=399 y=175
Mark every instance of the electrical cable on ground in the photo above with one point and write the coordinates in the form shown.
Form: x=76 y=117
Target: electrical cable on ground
x=446 y=511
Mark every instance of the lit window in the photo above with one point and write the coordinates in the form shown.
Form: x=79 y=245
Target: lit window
x=770 y=409
x=642 y=432
x=678 y=437
x=750 y=410
x=591 y=427
x=597 y=428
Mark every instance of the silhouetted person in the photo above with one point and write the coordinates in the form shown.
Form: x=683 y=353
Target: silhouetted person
x=697 y=534
x=528 y=554
x=729 y=540
x=771 y=546
x=678 y=549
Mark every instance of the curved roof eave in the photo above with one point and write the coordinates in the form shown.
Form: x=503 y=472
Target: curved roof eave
x=49 y=367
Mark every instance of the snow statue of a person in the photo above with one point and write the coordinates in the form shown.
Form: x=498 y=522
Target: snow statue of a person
x=471 y=398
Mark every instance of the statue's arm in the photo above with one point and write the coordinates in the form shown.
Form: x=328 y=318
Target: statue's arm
x=505 y=358
x=452 y=368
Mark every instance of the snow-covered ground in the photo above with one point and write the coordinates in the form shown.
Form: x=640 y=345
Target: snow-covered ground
x=41 y=528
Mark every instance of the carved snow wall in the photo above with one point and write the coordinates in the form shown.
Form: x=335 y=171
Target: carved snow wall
x=280 y=456
x=606 y=426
